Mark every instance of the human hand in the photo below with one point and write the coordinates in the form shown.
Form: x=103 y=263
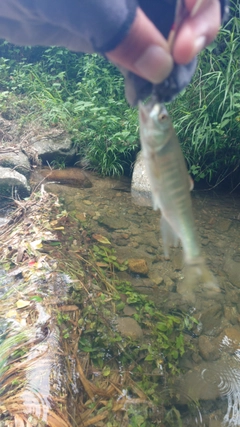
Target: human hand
x=145 y=51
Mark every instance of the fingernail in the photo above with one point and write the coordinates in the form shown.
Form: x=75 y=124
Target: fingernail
x=199 y=44
x=155 y=64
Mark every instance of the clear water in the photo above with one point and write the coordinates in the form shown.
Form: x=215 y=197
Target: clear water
x=208 y=394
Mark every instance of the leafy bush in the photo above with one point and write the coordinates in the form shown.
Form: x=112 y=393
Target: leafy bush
x=84 y=94
x=206 y=116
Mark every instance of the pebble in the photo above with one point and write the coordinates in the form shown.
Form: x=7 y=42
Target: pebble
x=138 y=266
x=155 y=277
x=129 y=311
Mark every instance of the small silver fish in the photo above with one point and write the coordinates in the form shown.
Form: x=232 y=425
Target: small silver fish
x=170 y=185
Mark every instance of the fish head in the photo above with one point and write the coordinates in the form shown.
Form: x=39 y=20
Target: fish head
x=155 y=124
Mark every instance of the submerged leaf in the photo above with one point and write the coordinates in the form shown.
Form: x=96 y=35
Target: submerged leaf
x=101 y=239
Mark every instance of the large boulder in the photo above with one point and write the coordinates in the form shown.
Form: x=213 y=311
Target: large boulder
x=11 y=179
x=140 y=187
x=57 y=148
x=16 y=160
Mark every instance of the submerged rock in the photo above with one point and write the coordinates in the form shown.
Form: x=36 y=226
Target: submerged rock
x=138 y=266
x=128 y=327
x=74 y=177
x=208 y=348
x=113 y=222
x=232 y=268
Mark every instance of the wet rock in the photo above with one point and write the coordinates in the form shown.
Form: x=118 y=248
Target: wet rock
x=192 y=386
x=113 y=222
x=144 y=286
x=211 y=319
x=134 y=244
x=177 y=261
x=128 y=327
x=82 y=217
x=148 y=239
x=17 y=161
x=140 y=187
x=230 y=313
x=168 y=283
x=121 y=242
x=229 y=340
x=208 y=348
x=51 y=148
x=223 y=225
x=138 y=266
x=9 y=179
x=155 y=277
x=232 y=269
x=74 y=177
x=129 y=311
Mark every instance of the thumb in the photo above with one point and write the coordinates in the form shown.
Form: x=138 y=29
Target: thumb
x=144 y=51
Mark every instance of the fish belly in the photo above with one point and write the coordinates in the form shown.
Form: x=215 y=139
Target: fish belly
x=171 y=194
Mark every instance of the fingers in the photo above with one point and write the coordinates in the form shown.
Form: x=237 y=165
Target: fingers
x=198 y=30
x=144 y=51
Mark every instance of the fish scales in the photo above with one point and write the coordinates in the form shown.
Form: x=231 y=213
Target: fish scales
x=170 y=185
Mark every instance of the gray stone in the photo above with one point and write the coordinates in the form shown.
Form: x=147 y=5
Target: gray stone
x=10 y=179
x=140 y=187
x=54 y=148
x=15 y=160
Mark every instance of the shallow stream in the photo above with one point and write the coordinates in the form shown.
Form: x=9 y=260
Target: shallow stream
x=209 y=390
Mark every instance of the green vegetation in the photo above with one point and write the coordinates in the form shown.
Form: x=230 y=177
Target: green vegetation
x=206 y=115
x=85 y=95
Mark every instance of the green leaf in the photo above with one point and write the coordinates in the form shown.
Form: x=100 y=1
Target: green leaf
x=162 y=327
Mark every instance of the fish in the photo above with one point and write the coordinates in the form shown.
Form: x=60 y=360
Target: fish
x=170 y=185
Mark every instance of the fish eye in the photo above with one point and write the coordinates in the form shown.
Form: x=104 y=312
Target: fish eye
x=162 y=117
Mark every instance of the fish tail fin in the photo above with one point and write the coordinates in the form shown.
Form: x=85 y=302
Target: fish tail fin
x=169 y=237
x=197 y=278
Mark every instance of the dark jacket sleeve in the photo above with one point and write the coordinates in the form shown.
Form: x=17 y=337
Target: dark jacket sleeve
x=93 y=26
x=79 y=25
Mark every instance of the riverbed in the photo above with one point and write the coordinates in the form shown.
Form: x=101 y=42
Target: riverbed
x=208 y=389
